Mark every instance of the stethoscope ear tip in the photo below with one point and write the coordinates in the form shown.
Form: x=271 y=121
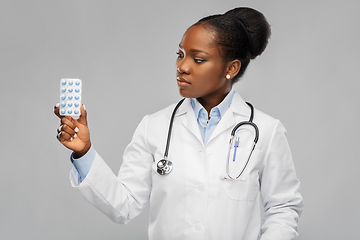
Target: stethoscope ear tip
x=222 y=176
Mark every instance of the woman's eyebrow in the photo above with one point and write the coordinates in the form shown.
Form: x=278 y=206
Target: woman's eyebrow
x=193 y=50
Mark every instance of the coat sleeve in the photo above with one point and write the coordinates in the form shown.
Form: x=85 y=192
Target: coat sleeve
x=280 y=190
x=120 y=197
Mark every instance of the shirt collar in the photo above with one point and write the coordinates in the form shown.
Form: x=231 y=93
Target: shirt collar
x=222 y=107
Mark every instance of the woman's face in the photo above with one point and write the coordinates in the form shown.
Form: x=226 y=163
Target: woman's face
x=200 y=68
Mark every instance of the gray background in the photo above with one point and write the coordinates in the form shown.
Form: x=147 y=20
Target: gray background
x=125 y=54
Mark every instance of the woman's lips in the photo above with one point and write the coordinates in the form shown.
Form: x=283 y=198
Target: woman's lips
x=182 y=82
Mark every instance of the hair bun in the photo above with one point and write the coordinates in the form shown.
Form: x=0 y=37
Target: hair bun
x=256 y=25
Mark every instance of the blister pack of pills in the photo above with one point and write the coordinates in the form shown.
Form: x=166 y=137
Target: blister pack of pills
x=70 y=97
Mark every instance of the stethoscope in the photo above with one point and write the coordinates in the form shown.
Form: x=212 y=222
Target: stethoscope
x=164 y=166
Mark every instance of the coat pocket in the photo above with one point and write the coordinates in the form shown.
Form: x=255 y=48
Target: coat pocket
x=242 y=189
x=246 y=187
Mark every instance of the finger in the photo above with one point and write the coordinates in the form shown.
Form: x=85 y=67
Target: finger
x=59 y=129
x=67 y=120
x=83 y=115
x=56 y=110
x=64 y=137
x=66 y=129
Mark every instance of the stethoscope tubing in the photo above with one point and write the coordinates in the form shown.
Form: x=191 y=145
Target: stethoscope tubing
x=247 y=123
x=170 y=128
x=256 y=138
x=247 y=161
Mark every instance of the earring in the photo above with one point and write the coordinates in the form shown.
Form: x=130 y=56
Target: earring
x=228 y=76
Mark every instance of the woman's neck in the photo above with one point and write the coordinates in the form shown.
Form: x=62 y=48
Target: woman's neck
x=208 y=102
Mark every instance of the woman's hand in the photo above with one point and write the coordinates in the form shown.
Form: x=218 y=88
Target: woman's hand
x=74 y=133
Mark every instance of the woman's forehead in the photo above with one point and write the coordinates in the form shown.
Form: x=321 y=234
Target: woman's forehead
x=197 y=37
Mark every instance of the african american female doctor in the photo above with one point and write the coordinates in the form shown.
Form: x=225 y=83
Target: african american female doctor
x=215 y=190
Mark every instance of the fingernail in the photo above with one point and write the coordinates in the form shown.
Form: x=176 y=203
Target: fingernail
x=60 y=128
x=84 y=107
x=57 y=105
x=71 y=139
x=75 y=135
x=76 y=130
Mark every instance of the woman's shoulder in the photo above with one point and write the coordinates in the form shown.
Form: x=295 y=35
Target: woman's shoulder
x=264 y=117
x=242 y=108
x=268 y=125
x=165 y=112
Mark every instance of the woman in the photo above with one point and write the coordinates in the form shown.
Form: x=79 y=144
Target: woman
x=203 y=197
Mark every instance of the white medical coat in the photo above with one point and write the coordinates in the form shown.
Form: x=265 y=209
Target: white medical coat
x=194 y=201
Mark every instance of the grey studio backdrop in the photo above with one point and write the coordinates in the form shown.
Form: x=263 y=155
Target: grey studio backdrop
x=124 y=51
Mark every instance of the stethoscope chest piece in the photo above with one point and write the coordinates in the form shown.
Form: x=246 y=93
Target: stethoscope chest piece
x=164 y=167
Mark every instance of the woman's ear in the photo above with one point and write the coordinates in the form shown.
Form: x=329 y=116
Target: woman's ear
x=233 y=68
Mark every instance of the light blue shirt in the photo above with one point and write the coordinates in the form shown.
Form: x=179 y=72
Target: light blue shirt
x=206 y=126
x=207 y=123
x=83 y=164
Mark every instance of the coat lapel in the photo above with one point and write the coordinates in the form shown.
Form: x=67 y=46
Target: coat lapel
x=188 y=120
x=238 y=111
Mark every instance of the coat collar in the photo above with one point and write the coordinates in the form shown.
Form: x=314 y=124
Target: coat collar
x=189 y=118
x=237 y=108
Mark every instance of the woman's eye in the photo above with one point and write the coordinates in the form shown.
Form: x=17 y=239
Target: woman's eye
x=180 y=55
x=198 y=60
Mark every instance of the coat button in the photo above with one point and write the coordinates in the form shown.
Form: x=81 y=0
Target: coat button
x=197 y=227
x=201 y=188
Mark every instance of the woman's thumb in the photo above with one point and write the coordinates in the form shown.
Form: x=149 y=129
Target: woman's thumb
x=83 y=115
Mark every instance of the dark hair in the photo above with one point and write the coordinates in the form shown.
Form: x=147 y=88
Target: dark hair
x=242 y=33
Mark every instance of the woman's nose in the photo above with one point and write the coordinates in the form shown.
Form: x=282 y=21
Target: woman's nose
x=183 y=67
